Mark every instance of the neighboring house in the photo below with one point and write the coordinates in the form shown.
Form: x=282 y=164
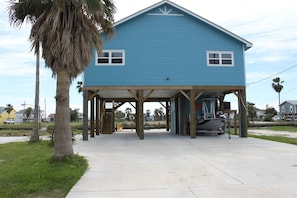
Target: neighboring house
x=4 y=115
x=52 y=117
x=289 y=109
x=260 y=113
x=21 y=117
x=165 y=53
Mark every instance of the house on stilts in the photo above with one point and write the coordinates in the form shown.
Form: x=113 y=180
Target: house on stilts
x=165 y=53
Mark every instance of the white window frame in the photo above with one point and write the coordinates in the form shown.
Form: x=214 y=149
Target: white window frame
x=110 y=58
x=220 y=58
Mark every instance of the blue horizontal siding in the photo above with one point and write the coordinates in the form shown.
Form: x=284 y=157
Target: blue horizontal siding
x=168 y=51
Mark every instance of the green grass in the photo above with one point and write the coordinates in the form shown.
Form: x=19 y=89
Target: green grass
x=25 y=129
x=28 y=170
x=284 y=128
x=276 y=138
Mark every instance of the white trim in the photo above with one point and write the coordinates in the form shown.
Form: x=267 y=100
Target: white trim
x=110 y=58
x=220 y=58
x=247 y=43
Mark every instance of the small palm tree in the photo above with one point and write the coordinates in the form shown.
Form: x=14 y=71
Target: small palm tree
x=28 y=112
x=79 y=86
x=8 y=109
x=277 y=86
x=30 y=10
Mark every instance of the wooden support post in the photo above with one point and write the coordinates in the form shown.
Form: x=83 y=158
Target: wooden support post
x=184 y=117
x=85 y=115
x=177 y=116
x=102 y=111
x=140 y=114
x=92 y=118
x=192 y=114
x=97 y=115
x=242 y=114
x=167 y=115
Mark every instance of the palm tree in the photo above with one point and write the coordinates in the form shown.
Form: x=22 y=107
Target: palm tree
x=68 y=33
x=30 y=10
x=8 y=109
x=79 y=86
x=277 y=86
x=251 y=110
x=28 y=112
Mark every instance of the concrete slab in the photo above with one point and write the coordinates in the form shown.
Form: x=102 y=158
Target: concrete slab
x=165 y=165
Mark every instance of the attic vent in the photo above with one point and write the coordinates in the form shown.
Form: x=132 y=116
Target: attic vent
x=165 y=11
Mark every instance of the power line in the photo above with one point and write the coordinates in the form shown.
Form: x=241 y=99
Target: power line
x=269 y=77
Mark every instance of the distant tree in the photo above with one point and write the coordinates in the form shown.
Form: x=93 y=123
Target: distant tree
x=251 y=110
x=73 y=115
x=158 y=114
x=270 y=112
x=119 y=115
x=79 y=86
x=277 y=86
x=28 y=113
x=148 y=112
x=128 y=113
x=8 y=109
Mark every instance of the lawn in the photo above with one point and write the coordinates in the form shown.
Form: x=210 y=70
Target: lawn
x=284 y=128
x=28 y=170
x=276 y=138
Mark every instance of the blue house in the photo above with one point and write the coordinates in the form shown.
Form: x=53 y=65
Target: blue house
x=169 y=54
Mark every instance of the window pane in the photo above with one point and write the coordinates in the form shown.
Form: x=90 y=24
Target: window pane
x=102 y=61
x=226 y=55
x=117 y=60
x=227 y=62
x=104 y=54
x=213 y=55
x=214 y=62
x=117 y=54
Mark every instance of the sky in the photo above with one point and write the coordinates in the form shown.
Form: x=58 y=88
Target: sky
x=270 y=25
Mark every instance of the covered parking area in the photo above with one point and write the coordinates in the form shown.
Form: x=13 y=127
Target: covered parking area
x=95 y=98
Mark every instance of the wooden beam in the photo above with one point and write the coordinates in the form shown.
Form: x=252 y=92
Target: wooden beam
x=200 y=94
x=185 y=94
x=183 y=118
x=192 y=114
x=177 y=116
x=92 y=94
x=133 y=94
x=92 y=117
x=97 y=115
x=102 y=112
x=140 y=114
x=242 y=114
x=148 y=95
x=85 y=115
x=167 y=115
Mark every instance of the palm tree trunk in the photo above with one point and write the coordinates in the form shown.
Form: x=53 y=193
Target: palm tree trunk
x=62 y=132
x=35 y=133
x=279 y=107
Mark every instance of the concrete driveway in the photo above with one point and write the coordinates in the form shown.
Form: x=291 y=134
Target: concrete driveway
x=165 y=165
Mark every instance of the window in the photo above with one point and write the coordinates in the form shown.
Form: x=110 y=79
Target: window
x=220 y=58
x=111 y=57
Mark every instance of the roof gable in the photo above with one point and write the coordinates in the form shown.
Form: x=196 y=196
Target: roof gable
x=168 y=8
x=292 y=102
